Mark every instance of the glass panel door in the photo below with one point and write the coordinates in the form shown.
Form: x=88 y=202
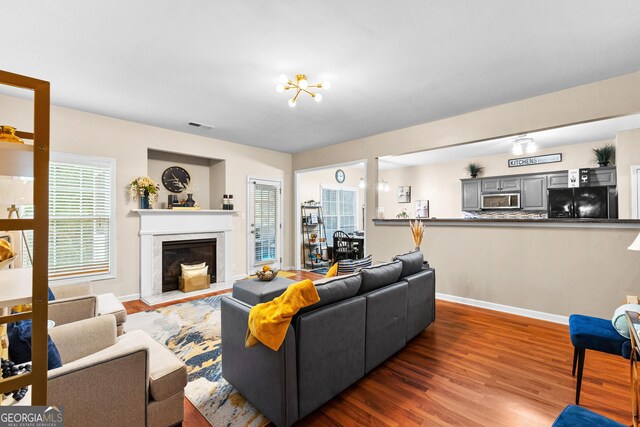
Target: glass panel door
x=265 y=224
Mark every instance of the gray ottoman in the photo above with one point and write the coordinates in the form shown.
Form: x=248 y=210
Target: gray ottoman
x=255 y=291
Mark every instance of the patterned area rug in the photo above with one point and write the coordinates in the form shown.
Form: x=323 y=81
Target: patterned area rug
x=192 y=331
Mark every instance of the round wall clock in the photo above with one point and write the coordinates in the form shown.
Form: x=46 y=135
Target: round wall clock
x=340 y=176
x=175 y=179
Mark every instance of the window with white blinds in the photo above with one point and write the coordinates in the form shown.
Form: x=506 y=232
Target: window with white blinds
x=339 y=210
x=266 y=220
x=81 y=220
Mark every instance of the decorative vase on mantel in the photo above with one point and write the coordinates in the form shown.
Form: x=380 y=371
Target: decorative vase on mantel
x=190 y=202
x=144 y=200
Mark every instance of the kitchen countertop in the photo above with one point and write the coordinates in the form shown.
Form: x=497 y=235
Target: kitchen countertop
x=487 y=222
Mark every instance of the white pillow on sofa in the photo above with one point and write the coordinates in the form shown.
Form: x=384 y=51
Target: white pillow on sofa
x=619 y=320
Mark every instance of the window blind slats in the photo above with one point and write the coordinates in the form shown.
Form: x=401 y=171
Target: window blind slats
x=80 y=198
x=265 y=206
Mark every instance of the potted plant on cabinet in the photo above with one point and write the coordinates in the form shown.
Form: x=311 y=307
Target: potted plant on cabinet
x=474 y=169
x=605 y=154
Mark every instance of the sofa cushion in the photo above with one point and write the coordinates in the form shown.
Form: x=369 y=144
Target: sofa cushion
x=347 y=266
x=167 y=373
x=380 y=275
x=335 y=289
x=411 y=262
x=110 y=304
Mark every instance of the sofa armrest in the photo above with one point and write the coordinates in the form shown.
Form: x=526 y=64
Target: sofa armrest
x=266 y=378
x=67 y=310
x=79 y=339
x=73 y=290
x=110 y=388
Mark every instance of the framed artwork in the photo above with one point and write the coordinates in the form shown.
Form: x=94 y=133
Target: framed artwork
x=422 y=208
x=404 y=194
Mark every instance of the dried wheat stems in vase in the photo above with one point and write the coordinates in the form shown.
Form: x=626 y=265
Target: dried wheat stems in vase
x=417 y=232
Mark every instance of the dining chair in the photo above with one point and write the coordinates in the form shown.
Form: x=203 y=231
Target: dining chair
x=574 y=415
x=343 y=247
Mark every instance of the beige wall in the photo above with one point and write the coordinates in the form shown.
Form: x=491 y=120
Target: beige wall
x=309 y=184
x=77 y=132
x=198 y=169
x=627 y=155
x=461 y=255
x=440 y=183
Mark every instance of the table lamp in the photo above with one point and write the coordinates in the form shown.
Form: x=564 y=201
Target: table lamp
x=635 y=246
x=15 y=191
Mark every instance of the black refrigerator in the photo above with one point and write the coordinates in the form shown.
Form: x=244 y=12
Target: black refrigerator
x=586 y=202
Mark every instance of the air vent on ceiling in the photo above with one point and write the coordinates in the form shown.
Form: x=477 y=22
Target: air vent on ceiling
x=201 y=125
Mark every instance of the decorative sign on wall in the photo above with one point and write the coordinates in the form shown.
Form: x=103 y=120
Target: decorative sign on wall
x=535 y=160
x=585 y=178
x=573 y=178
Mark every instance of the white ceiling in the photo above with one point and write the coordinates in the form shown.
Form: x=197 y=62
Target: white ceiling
x=576 y=134
x=392 y=64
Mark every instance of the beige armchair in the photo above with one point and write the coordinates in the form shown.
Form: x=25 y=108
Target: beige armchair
x=106 y=380
x=77 y=302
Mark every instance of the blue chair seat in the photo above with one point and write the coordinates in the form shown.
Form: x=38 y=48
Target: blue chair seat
x=593 y=333
x=574 y=416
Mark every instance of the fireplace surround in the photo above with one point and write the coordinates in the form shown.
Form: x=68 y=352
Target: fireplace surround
x=158 y=226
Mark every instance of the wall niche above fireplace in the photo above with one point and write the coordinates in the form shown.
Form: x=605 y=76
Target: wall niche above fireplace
x=208 y=177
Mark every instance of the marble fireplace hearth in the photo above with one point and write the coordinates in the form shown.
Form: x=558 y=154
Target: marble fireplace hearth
x=161 y=225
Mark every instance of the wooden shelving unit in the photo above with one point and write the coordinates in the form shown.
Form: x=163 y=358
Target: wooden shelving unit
x=31 y=161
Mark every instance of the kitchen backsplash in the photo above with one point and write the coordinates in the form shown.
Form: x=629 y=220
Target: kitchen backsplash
x=505 y=215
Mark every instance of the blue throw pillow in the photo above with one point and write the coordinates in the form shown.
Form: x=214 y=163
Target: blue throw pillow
x=51 y=295
x=20 y=345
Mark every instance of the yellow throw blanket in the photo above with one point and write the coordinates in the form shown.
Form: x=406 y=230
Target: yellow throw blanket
x=268 y=321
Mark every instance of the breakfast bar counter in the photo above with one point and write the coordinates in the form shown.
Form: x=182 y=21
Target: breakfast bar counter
x=494 y=222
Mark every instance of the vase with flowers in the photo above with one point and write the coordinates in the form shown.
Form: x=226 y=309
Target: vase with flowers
x=146 y=190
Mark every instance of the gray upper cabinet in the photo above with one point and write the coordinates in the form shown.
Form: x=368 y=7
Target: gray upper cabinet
x=489 y=185
x=599 y=176
x=558 y=180
x=603 y=176
x=501 y=184
x=471 y=195
x=534 y=193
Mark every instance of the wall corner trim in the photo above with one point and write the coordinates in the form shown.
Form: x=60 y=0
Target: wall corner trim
x=540 y=315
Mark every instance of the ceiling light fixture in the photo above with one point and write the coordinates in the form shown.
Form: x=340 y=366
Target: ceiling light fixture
x=383 y=185
x=523 y=144
x=300 y=85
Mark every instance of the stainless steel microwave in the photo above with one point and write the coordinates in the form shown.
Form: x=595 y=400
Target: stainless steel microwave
x=501 y=201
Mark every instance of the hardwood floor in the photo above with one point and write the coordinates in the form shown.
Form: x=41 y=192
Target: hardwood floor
x=474 y=367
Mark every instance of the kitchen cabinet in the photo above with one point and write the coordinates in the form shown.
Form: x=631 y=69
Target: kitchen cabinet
x=506 y=184
x=471 y=195
x=558 y=180
x=603 y=176
x=534 y=193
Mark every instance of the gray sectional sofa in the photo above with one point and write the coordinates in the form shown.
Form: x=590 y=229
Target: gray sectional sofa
x=359 y=322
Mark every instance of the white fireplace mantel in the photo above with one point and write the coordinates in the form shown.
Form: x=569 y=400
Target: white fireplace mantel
x=158 y=225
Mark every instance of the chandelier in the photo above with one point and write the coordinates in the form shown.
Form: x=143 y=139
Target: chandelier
x=300 y=85
x=523 y=144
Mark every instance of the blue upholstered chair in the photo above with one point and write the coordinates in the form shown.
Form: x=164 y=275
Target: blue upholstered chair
x=574 y=416
x=592 y=333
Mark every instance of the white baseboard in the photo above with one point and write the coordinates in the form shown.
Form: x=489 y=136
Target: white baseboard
x=130 y=297
x=240 y=277
x=555 y=318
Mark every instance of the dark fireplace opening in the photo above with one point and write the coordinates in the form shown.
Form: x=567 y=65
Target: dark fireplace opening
x=179 y=252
